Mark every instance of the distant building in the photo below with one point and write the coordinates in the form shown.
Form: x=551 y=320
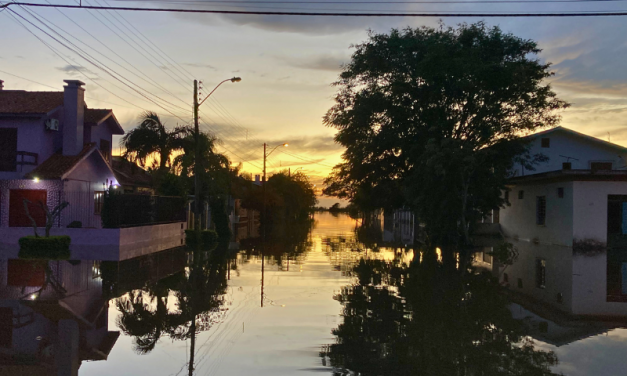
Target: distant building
x=579 y=194
x=54 y=148
x=131 y=177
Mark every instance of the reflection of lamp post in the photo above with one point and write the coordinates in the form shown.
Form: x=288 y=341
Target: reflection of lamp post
x=197 y=162
x=265 y=156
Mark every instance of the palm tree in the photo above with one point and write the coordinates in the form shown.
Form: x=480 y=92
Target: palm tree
x=151 y=138
x=212 y=161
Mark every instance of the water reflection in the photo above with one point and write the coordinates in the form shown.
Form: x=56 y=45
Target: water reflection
x=322 y=296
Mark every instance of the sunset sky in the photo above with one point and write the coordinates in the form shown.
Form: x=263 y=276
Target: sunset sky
x=287 y=65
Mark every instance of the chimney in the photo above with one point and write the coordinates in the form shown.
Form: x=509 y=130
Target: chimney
x=1 y=85
x=73 y=117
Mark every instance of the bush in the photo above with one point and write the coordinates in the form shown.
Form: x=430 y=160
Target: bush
x=75 y=224
x=208 y=239
x=52 y=247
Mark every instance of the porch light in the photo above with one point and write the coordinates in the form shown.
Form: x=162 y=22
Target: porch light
x=36 y=180
x=33 y=297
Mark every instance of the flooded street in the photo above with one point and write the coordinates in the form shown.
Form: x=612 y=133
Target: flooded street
x=323 y=304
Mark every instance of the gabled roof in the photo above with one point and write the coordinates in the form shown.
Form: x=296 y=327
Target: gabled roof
x=577 y=134
x=96 y=115
x=29 y=102
x=129 y=174
x=58 y=166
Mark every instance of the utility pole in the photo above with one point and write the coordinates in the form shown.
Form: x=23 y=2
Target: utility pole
x=263 y=185
x=197 y=187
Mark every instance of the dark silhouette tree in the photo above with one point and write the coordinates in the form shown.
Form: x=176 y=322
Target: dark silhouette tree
x=151 y=138
x=431 y=118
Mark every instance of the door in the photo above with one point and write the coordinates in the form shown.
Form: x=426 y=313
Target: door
x=17 y=213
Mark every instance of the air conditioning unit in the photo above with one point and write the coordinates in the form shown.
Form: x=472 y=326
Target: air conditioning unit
x=52 y=125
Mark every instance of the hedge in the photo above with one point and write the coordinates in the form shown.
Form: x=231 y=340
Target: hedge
x=208 y=238
x=53 y=247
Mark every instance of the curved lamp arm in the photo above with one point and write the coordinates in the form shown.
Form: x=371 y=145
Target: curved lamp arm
x=234 y=79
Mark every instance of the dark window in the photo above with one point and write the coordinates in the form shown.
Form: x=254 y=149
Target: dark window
x=541 y=210
x=98 y=200
x=546 y=142
x=8 y=149
x=6 y=327
x=600 y=166
x=540 y=273
x=560 y=297
x=560 y=192
x=506 y=196
x=520 y=285
x=505 y=277
x=521 y=195
x=105 y=149
x=567 y=166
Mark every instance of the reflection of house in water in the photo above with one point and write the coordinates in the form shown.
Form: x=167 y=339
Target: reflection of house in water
x=561 y=292
x=53 y=316
x=398 y=227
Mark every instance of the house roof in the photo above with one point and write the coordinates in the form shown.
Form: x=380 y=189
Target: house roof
x=29 y=102
x=96 y=115
x=130 y=174
x=59 y=165
x=578 y=134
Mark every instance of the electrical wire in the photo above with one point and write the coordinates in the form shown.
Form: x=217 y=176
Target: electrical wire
x=337 y=14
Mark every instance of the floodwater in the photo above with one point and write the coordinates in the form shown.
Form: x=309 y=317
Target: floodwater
x=313 y=302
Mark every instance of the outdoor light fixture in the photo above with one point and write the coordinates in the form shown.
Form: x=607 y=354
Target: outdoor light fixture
x=33 y=297
x=286 y=144
x=236 y=79
x=36 y=180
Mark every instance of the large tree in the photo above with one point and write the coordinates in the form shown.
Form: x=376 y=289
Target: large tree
x=431 y=118
x=151 y=138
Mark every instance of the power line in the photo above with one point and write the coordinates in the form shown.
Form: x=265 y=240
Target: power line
x=371 y=2
x=304 y=159
x=334 y=14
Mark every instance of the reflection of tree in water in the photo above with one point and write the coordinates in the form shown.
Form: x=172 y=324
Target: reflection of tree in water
x=428 y=318
x=288 y=240
x=197 y=295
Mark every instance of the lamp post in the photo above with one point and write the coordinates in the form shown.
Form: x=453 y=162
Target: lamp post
x=197 y=156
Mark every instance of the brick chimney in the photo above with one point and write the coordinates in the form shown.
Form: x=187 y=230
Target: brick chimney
x=73 y=116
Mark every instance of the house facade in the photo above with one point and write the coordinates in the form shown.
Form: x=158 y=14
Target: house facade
x=53 y=148
x=577 y=197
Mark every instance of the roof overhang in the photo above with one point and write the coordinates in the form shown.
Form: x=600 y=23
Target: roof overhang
x=569 y=175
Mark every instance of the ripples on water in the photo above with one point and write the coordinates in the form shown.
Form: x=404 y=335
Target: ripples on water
x=331 y=305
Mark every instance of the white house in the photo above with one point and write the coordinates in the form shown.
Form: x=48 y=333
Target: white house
x=578 y=196
x=54 y=148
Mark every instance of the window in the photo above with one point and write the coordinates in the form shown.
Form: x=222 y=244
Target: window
x=541 y=210
x=520 y=284
x=98 y=201
x=600 y=166
x=521 y=195
x=567 y=166
x=560 y=192
x=506 y=196
x=540 y=273
x=505 y=277
x=560 y=297
x=8 y=149
x=105 y=149
x=546 y=142
x=487 y=257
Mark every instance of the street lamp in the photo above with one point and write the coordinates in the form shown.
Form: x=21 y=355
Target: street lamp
x=197 y=156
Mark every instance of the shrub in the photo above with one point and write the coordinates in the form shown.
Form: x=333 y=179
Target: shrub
x=75 y=224
x=208 y=239
x=52 y=247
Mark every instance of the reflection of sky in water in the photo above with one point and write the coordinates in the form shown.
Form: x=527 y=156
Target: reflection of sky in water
x=286 y=336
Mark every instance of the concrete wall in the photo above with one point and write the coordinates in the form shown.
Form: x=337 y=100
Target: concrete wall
x=590 y=208
x=518 y=220
x=105 y=244
x=566 y=144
